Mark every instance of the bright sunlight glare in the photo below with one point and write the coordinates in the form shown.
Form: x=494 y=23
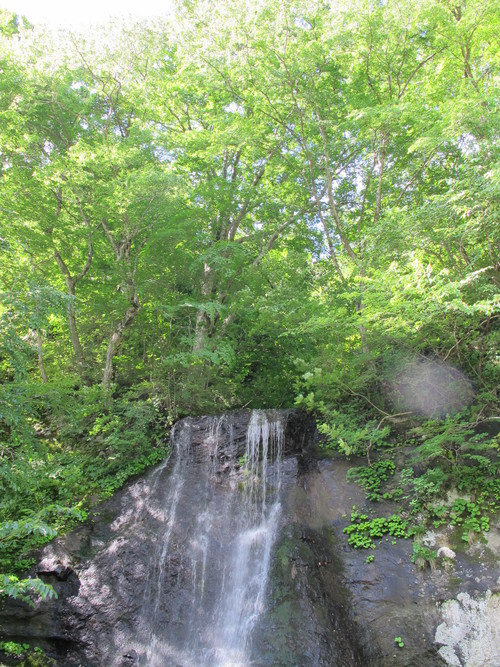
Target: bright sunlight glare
x=60 y=13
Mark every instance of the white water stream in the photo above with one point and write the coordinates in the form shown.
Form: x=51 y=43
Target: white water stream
x=207 y=589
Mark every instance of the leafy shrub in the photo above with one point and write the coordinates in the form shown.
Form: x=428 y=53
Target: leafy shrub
x=77 y=445
x=423 y=556
x=362 y=530
x=372 y=477
x=24 y=589
x=345 y=432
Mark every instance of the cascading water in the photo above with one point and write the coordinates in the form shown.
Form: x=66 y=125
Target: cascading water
x=222 y=556
x=207 y=588
x=248 y=566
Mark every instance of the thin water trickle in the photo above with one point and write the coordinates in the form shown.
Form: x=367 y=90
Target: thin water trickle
x=207 y=589
x=155 y=582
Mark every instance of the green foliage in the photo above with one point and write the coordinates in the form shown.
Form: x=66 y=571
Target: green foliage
x=36 y=659
x=189 y=226
x=192 y=238
x=459 y=460
x=30 y=657
x=347 y=433
x=12 y=648
x=427 y=487
x=75 y=446
x=372 y=477
x=423 y=557
x=362 y=530
x=471 y=516
x=448 y=441
x=14 y=529
x=471 y=472
x=24 y=589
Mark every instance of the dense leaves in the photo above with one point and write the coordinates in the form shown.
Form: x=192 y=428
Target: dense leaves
x=254 y=205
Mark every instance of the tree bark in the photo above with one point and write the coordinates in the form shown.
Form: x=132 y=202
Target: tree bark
x=71 y=282
x=122 y=249
x=39 y=352
x=201 y=326
x=73 y=330
x=117 y=337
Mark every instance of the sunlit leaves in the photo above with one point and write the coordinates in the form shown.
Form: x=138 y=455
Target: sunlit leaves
x=24 y=589
x=260 y=202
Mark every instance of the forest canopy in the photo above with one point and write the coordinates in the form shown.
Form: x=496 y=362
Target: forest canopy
x=253 y=204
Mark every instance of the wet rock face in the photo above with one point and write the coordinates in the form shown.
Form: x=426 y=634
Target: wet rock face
x=309 y=620
x=445 y=616
x=232 y=430
x=138 y=565
x=325 y=606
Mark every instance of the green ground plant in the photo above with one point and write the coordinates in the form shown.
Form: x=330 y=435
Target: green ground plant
x=67 y=456
x=423 y=557
x=371 y=478
x=453 y=482
x=362 y=530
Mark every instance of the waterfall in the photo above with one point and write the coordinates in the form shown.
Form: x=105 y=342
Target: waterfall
x=221 y=556
x=243 y=599
x=207 y=588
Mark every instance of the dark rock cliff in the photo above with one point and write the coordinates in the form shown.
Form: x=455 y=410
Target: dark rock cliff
x=325 y=605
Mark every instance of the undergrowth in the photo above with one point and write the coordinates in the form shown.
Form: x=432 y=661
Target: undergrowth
x=450 y=479
x=60 y=453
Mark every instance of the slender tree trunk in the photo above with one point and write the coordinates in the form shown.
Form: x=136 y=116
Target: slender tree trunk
x=123 y=254
x=116 y=337
x=73 y=329
x=114 y=342
x=39 y=351
x=202 y=322
x=71 y=282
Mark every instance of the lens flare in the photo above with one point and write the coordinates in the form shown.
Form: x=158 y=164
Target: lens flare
x=430 y=388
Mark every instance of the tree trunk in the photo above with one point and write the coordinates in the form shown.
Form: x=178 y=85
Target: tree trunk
x=202 y=323
x=117 y=337
x=73 y=330
x=71 y=282
x=39 y=352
